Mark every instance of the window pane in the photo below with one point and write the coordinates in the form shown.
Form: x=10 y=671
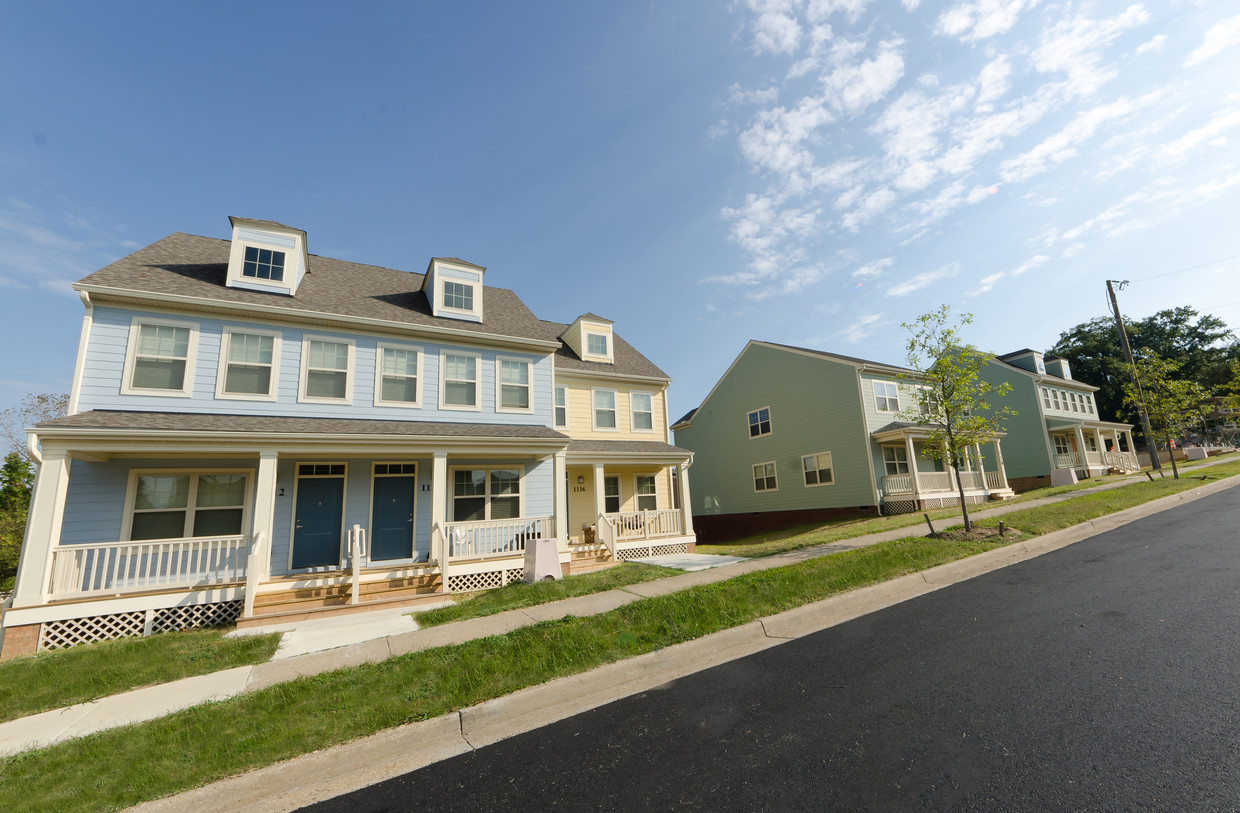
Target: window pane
x=162 y=491
x=469 y=482
x=505 y=507
x=641 y=402
x=642 y=420
x=400 y=362
x=220 y=489
x=645 y=484
x=321 y=384
x=560 y=397
x=163 y=340
x=596 y=344
x=460 y=393
x=250 y=349
x=505 y=481
x=647 y=502
x=329 y=355
x=605 y=418
x=469 y=509
x=460 y=368
x=515 y=372
x=514 y=397
x=158 y=525
x=217 y=522
x=605 y=399
x=248 y=380
x=400 y=389
x=155 y=374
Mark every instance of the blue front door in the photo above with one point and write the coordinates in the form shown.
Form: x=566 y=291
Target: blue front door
x=391 y=533
x=316 y=526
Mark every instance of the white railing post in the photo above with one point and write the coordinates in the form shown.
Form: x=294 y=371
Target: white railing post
x=605 y=532
x=253 y=571
x=357 y=549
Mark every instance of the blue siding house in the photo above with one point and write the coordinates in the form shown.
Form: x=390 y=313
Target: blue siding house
x=256 y=433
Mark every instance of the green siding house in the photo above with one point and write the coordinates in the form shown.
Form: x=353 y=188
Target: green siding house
x=790 y=436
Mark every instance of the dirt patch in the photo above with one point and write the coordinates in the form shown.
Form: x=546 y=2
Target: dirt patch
x=979 y=533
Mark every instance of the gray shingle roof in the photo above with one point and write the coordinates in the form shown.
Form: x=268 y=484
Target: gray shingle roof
x=626 y=447
x=187 y=422
x=188 y=265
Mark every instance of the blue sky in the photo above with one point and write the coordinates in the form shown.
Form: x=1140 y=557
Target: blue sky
x=814 y=172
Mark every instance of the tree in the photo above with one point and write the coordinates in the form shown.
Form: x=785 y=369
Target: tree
x=1202 y=345
x=34 y=408
x=952 y=398
x=16 y=479
x=1172 y=403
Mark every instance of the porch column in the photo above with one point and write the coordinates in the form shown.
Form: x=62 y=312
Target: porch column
x=47 y=512
x=265 y=506
x=981 y=467
x=999 y=463
x=686 y=502
x=912 y=466
x=600 y=500
x=561 y=499
x=439 y=490
x=1082 y=460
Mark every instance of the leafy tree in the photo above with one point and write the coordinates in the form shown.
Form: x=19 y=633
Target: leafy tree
x=16 y=479
x=1172 y=403
x=1202 y=345
x=952 y=398
x=34 y=408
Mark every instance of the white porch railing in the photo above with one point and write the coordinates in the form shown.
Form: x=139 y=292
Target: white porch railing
x=1126 y=461
x=605 y=532
x=936 y=481
x=497 y=537
x=898 y=484
x=439 y=552
x=940 y=482
x=1067 y=460
x=972 y=480
x=153 y=564
x=357 y=550
x=995 y=480
x=253 y=567
x=644 y=524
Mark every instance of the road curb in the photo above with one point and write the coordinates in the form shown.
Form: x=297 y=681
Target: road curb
x=329 y=773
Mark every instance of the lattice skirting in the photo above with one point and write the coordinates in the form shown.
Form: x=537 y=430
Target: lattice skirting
x=625 y=554
x=909 y=506
x=73 y=631
x=469 y=582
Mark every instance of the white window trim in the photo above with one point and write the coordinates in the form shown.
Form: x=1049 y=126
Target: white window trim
x=899 y=450
x=830 y=465
x=221 y=375
x=874 y=386
x=586 y=355
x=452 y=470
x=637 y=494
x=443 y=404
x=131 y=350
x=769 y=420
x=131 y=496
x=594 y=391
x=379 y=400
x=633 y=412
x=350 y=367
x=441 y=296
x=499 y=385
x=753 y=480
x=555 y=407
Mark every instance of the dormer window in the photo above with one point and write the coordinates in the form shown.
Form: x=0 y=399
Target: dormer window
x=454 y=288
x=458 y=296
x=591 y=338
x=596 y=344
x=263 y=263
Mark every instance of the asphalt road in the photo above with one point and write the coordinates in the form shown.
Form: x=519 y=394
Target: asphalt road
x=1104 y=676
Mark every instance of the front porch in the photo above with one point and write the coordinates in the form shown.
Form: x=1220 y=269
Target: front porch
x=914 y=480
x=1092 y=448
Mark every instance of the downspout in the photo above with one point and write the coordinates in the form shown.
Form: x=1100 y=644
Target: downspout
x=32 y=447
x=75 y=391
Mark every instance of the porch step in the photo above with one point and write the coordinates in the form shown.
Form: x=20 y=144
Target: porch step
x=305 y=614
x=326 y=596
x=586 y=565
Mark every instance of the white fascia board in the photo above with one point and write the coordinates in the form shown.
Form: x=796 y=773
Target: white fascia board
x=627 y=458
x=603 y=375
x=337 y=321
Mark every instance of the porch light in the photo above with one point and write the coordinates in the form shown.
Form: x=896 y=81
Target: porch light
x=580 y=479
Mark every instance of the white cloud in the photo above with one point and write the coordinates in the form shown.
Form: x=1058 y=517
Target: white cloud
x=775 y=29
x=1155 y=43
x=854 y=87
x=1074 y=47
x=863 y=327
x=766 y=96
x=1177 y=151
x=1073 y=250
x=873 y=269
x=993 y=81
x=985 y=284
x=820 y=10
x=923 y=280
x=1221 y=36
x=776 y=141
x=1029 y=264
x=719 y=129
x=981 y=19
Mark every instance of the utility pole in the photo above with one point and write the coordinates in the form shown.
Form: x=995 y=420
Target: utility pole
x=1151 y=444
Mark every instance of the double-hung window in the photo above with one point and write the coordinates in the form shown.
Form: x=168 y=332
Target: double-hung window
x=647 y=493
x=611 y=494
x=399 y=381
x=326 y=370
x=604 y=409
x=760 y=422
x=459 y=373
x=514 y=385
x=175 y=505
x=817 y=469
x=596 y=344
x=249 y=364
x=895 y=460
x=886 y=396
x=160 y=358
x=561 y=408
x=764 y=477
x=642 y=404
x=483 y=494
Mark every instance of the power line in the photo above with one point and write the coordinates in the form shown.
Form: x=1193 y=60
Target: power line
x=1193 y=268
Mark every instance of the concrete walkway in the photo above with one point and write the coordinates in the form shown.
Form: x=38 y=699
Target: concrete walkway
x=320 y=646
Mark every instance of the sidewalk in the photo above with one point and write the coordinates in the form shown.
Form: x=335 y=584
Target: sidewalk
x=314 y=647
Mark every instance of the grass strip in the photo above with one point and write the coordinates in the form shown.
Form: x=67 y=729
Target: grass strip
x=120 y=767
x=56 y=679
x=519 y=594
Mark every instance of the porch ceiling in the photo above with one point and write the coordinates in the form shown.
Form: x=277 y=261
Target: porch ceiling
x=899 y=430
x=1071 y=423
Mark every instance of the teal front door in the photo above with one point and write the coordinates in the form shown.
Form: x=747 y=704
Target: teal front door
x=391 y=534
x=317 y=523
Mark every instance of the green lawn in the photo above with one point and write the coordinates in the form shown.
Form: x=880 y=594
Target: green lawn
x=55 y=679
x=520 y=594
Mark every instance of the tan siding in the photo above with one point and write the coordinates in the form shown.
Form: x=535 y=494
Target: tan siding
x=579 y=397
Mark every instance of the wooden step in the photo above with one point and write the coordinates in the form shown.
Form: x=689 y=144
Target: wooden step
x=306 y=614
